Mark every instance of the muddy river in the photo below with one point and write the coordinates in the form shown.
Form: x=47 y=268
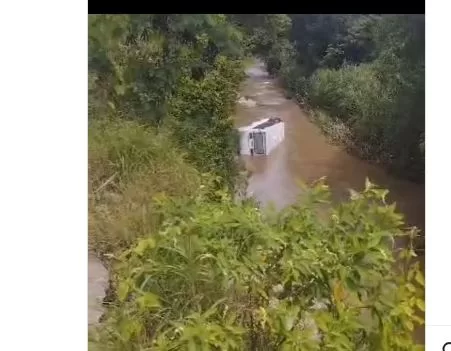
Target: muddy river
x=305 y=154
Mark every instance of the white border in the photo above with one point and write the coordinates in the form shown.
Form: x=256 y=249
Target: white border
x=43 y=176
x=438 y=192
x=438 y=127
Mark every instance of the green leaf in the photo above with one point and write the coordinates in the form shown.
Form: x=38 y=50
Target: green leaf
x=148 y=301
x=420 y=304
x=111 y=105
x=120 y=89
x=374 y=241
x=410 y=287
x=409 y=325
x=123 y=290
x=419 y=278
x=143 y=245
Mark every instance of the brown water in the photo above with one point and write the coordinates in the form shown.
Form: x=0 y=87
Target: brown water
x=306 y=155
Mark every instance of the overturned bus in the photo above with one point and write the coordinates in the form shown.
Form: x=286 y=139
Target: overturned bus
x=261 y=137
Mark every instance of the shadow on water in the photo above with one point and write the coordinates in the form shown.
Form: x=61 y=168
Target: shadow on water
x=306 y=155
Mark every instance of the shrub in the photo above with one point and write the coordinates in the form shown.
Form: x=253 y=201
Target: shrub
x=201 y=119
x=380 y=99
x=225 y=276
x=356 y=96
x=349 y=93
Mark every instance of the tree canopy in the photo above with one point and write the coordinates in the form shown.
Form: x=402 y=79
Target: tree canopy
x=365 y=71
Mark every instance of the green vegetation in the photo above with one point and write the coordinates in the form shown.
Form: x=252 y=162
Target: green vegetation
x=129 y=163
x=223 y=276
x=364 y=71
x=149 y=67
x=192 y=267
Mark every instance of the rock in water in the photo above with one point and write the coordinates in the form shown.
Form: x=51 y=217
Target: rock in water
x=247 y=102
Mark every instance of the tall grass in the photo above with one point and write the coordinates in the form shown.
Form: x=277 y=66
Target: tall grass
x=128 y=165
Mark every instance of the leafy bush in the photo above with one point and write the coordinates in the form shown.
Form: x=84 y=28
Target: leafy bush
x=176 y=73
x=154 y=67
x=136 y=61
x=202 y=122
x=225 y=276
x=353 y=92
x=376 y=112
x=355 y=96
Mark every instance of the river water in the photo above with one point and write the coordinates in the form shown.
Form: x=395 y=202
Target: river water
x=306 y=155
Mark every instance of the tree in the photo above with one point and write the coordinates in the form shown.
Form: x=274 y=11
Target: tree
x=143 y=66
x=365 y=70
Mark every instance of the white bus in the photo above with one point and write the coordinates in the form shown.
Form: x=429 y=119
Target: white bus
x=261 y=137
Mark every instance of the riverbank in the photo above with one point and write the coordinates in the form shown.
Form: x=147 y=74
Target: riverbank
x=307 y=154
x=178 y=269
x=361 y=135
x=341 y=134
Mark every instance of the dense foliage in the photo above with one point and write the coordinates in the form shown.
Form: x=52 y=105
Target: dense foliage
x=366 y=72
x=149 y=68
x=193 y=268
x=224 y=276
